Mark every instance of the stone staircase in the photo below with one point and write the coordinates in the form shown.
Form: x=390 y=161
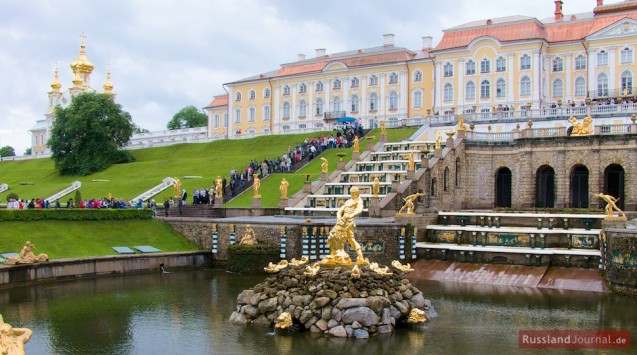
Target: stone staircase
x=74 y=186
x=3 y=188
x=165 y=184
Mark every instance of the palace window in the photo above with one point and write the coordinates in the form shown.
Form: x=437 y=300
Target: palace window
x=418 y=99
x=448 y=92
x=302 y=108
x=373 y=102
x=525 y=62
x=500 y=88
x=626 y=56
x=319 y=106
x=266 y=93
x=237 y=96
x=470 y=91
x=558 y=88
x=558 y=64
x=471 y=67
x=418 y=76
x=525 y=86
x=602 y=84
x=302 y=88
x=500 y=64
x=252 y=113
x=485 y=66
x=355 y=82
x=602 y=58
x=216 y=121
x=286 y=110
x=485 y=89
x=580 y=86
x=580 y=62
x=627 y=83
x=355 y=103
x=237 y=115
x=448 y=70
x=286 y=90
x=393 y=100
x=393 y=78
x=225 y=119
x=336 y=103
x=337 y=84
x=266 y=112
x=373 y=80
x=319 y=86
x=252 y=95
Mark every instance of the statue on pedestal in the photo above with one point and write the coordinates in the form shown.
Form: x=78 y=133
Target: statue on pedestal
x=610 y=204
x=376 y=187
x=176 y=188
x=284 y=188
x=219 y=188
x=255 y=186
x=409 y=203
x=26 y=256
x=249 y=238
x=356 y=145
x=324 y=165
x=343 y=231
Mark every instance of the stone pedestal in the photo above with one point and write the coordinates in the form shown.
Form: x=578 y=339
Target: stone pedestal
x=218 y=202
x=383 y=138
x=411 y=174
x=394 y=185
x=323 y=176
x=176 y=201
x=307 y=187
x=374 y=209
x=424 y=162
x=438 y=153
x=356 y=156
x=450 y=142
x=256 y=202
x=340 y=165
x=614 y=222
x=461 y=133
x=404 y=218
x=283 y=202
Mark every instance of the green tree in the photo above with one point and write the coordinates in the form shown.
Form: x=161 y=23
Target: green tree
x=188 y=117
x=137 y=129
x=27 y=151
x=7 y=151
x=87 y=136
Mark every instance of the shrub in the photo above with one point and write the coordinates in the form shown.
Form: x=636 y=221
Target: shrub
x=74 y=214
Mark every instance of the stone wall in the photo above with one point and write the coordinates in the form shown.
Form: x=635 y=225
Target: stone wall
x=620 y=260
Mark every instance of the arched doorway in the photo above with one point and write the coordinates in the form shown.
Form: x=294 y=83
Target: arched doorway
x=545 y=187
x=503 y=187
x=579 y=187
x=614 y=183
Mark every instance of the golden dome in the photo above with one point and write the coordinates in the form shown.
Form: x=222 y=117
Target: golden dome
x=108 y=86
x=82 y=63
x=77 y=79
x=55 y=84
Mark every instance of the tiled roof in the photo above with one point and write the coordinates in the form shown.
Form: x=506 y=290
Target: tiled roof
x=503 y=33
x=218 y=101
x=494 y=21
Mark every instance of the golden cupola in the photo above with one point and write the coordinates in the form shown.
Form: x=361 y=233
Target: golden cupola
x=82 y=65
x=55 y=84
x=77 y=79
x=108 y=85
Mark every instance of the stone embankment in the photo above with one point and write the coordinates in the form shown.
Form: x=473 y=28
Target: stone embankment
x=332 y=302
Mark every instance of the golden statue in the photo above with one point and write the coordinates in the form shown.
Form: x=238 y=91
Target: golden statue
x=214 y=227
x=324 y=165
x=581 y=129
x=398 y=265
x=299 y=262
x=176 y=188
x=312 y=270
x=356 y=272
x=255 y=186
x=249 y=238
x=382 y=127
x=376 y=187
x=356 y=145
x=379 y=270
x=26 y=256
x=343 y=231
x=12 y=340
x=284 y=188
x=276 y=267
x=412 y=164
x=409 y=203
x=610 y=204
x=439 y=140
x=219 y=187
x=283 y=321
x=416 y=316
x=461 y=126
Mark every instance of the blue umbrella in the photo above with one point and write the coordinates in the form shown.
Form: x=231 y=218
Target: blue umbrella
x=346 y=120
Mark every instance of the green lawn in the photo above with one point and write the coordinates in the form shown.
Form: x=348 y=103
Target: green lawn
x=68 y=239
x=197 y=165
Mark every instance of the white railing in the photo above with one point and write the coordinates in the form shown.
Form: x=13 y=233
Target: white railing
x=3 y=188
x=74 y=186
x=165 y=183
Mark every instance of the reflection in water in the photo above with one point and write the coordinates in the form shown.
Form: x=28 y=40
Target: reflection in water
x=187 y=312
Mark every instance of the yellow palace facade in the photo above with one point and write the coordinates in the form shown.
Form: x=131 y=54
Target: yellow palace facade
x=502 y=66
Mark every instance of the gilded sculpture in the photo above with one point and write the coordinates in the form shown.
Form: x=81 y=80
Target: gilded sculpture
x=461 y=126
x=398 y=265
x=272 y=268
x=255 y=186
x=283 y=188
x=356 y=272
x=416 y=316
x=356 y=145
x=283 y=321
x=324 y=165
x=376 y=187
x=219 y=187
x=610 y=205
x=439 y=141
x=312 y=270
x=409 y=203
x=176 y=188
x=12 y=340
x=412 y=164
x=343 y=231
x=302 y=261
x=26 y=256
x=380 y=270
x=249 y=238
x=382 y=127
x=581 y=129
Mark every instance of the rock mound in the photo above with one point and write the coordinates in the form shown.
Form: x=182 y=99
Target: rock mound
x=331 y=302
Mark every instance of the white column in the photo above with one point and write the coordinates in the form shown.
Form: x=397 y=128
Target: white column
x=293 y=109
x=591 y=83
x=511 y=84
x=347 y=106
x=568 y=92
x=229 y=129
x=381 y=94
x=310 y=97
x=460 y=85
x=276 y=110
x=403 y=81
x=327 y=98
x=537 y=80
x=437 y=84
x=612 y=67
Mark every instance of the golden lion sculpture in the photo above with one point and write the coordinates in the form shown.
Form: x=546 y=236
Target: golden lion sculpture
x=416 y=316
x=284 y=321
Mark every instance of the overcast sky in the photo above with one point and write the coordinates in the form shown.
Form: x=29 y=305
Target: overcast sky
x=167 y=54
